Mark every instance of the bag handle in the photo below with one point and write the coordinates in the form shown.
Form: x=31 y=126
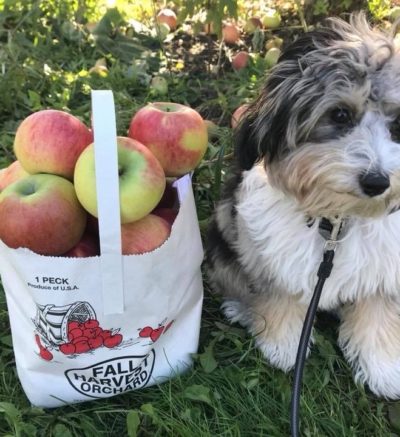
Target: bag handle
x=108 y=207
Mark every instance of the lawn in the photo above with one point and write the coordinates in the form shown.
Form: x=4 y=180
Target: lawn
x=47 y=53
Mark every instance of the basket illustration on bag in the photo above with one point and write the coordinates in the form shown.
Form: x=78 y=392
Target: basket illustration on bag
x=52 y=321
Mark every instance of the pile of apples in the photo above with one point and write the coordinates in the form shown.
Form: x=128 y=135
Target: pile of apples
x=48 y=200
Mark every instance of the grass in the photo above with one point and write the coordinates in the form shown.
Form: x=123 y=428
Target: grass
x=231 y=390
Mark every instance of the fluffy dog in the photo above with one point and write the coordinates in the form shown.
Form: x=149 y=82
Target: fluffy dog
x=322 y=139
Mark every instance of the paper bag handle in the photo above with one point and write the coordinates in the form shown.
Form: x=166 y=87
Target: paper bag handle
x=108 y=207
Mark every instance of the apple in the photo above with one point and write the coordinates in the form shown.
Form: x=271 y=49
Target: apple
x=252 y=24
x=141 y=180
x=144 y=235
x=230 y=33
x=41 y=212
x=238 y=114
x=168 y=214
x=162 y=30
x=88 y=245
x=272 y=56
x=159 y=85
x=14 y=172
x=274 y=42
x=101 y=70
x=167 y=16
x=175 y=133
x=271 y=19
x=50 y=141
x=240 y=60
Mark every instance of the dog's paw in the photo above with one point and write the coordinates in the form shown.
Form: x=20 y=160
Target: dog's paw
x=281 y=355
x=381 y=376
x=235 y=312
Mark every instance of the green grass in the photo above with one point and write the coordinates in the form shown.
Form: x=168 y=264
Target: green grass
x=231 y=390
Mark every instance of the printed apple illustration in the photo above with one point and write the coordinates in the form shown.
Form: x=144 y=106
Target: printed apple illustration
x=230 y=33
x=41 y=212
x=51 y=141
x=144 y=235
x=240 y=60
x=237 y=115
x=271 y=19
x=167 y=16
x=174 y=133
x=88 y=245
x=141 y=180
x=14 y=172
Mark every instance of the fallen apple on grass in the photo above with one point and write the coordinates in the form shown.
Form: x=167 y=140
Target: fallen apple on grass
x=272 y=56
x=271 y=19
x=42 y=213
x=141 y=180
x=144 y=235
x=230 y=33
x=12 y=173
x=50 y=141
x=238 y=114
x=174 y=133
x=252 y=24
x=167 y=16
x=240 y=60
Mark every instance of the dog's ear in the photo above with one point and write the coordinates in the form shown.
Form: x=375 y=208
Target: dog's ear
x=246 y=145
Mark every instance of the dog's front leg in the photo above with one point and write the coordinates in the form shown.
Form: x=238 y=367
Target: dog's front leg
x=370 y=339
x=276 y=320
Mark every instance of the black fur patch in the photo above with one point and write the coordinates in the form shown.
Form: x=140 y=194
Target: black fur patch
x=217 y=246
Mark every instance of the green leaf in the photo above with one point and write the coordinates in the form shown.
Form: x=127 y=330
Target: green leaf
x=394 y=416
x=10 y=410
x=198 y=393
x=61 y=430
x=207 y=359
x=132 y=423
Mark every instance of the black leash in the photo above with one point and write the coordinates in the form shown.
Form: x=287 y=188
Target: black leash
x=330 y=231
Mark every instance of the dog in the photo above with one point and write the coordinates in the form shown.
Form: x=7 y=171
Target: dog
x=321 y=140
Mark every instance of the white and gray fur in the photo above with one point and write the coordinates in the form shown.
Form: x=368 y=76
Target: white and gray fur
x=322 y=139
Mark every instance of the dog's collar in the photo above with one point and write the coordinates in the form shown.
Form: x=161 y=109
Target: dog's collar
x=325 y=226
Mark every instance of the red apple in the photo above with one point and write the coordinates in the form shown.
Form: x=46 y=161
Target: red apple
x=87 y=246
x=237 y=115
x=240 y=60
x=230 y=33
x=167 y=16
x=144 y=235
x=92 y=225
x=176 y=134
x=141 y=180
x=51 y=141
x=41 y=212
x=14 y=172
x=168 y=214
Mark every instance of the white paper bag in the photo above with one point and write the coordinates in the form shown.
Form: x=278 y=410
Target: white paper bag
x=146 y=308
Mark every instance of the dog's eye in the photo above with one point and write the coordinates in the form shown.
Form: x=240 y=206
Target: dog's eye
x=341 y=116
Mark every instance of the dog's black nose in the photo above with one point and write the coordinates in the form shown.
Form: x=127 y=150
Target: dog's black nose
x=373 y=183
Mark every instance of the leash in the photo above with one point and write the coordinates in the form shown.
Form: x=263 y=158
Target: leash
x=330 y=230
